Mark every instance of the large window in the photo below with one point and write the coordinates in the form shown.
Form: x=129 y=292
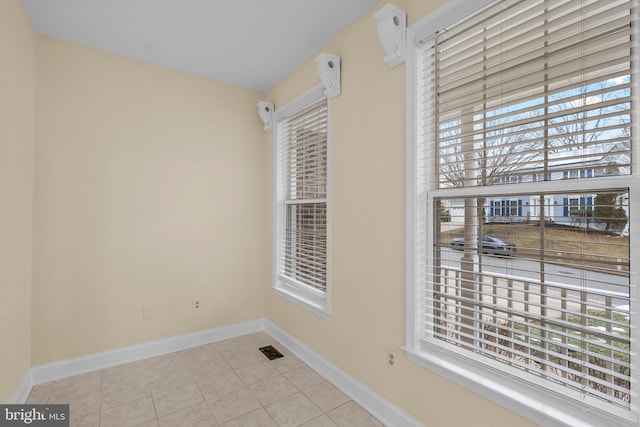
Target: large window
x=300 y=163
x=521 y=282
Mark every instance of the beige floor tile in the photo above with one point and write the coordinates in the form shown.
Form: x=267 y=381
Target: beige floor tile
x=273 y=389
x=321 y=421
x=40 y=393
x=198 y=415
x=120 y=372
x=165 y=379
x=293 y=411
x=304 y=377
x=79 y=404
x=177 y=398
x=189 y=360
x=203 y=353
x=166 y=361
x=212 y=348
x=352 y=415
x=226 y=346
x=287 y=363
x=129 y=414
x=326 y=396
x=259 y=418
x=232 y=405
x=78 y=385
x=256 y=373
x=91 y=420
x=126 y=390
x=235 y=344
x=258 y=339
x=203 y=372
x=224 y=383
x=113 y=383
x=243 y=357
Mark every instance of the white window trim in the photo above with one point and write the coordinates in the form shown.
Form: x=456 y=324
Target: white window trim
x=311 y=299
x=497 y=383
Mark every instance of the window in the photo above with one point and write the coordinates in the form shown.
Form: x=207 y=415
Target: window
x=574 y=173
x=301 y=196
x=513 y=296
x=574 y=204
x=504 y=208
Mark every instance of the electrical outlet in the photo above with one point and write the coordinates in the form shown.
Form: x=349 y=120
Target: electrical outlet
x=391 y=358
x=147 y=313
x=196 y=304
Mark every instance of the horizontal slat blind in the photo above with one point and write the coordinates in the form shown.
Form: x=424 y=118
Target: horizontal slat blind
x=551 y=296
x=535 y=274
x=538 y=85
x=304 y=189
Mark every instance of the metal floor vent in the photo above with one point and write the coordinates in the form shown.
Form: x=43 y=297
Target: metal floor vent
x=271 y=352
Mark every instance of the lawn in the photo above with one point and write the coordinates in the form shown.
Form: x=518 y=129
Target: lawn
x=564 y=244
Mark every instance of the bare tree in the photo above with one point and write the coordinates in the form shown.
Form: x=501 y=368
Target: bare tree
x=506 y=147
x=594 y=121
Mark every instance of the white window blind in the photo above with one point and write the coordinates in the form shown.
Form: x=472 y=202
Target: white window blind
x=519 y=267
x=302 y=200
x=533 y=86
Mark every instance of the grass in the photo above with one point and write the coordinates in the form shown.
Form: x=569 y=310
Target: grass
x=573 y=246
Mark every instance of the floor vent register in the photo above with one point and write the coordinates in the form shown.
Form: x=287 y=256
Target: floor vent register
x=271 y=352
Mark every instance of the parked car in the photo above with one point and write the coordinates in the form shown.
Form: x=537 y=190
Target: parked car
x=490 y=245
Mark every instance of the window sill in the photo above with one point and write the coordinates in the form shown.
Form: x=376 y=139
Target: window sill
x=538 y=404
x=315 y=305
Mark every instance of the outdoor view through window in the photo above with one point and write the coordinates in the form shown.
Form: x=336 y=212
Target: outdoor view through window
x=529 y=128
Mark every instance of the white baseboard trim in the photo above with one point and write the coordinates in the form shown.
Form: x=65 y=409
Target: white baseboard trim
x=382 y=409
x=92 y=362
x=22 y=393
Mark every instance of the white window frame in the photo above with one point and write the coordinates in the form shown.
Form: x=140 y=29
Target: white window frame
x=546 y=209
x=311 y=299
x=496 y=383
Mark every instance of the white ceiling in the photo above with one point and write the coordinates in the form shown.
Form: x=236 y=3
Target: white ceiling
x=248 y=43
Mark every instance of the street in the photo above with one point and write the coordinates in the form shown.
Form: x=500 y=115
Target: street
x=557 y=273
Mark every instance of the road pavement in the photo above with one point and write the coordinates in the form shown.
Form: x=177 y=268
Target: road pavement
x=554 y=272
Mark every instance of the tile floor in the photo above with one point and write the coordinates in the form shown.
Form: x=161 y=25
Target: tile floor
x=229 y=383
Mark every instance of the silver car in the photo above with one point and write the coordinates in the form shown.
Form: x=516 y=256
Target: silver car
x=490 y=245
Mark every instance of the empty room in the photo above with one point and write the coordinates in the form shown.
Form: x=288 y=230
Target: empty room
x=319 y=213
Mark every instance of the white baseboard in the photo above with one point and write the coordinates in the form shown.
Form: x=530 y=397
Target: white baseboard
x=79 y=365
x=22 y=393
x=382 y=409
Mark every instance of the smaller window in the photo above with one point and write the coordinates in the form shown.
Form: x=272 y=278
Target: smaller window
x=301 y=201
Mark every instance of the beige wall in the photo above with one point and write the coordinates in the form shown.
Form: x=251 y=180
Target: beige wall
x=367 y=232
x=17 y=108
x=148 y=190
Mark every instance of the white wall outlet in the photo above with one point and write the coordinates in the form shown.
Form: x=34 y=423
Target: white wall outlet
x=196 y=304
x=147 y=313
x=391 y=358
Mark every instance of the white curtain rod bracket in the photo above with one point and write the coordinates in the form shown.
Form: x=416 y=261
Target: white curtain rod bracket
x=266 y=110
x=329 y=71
